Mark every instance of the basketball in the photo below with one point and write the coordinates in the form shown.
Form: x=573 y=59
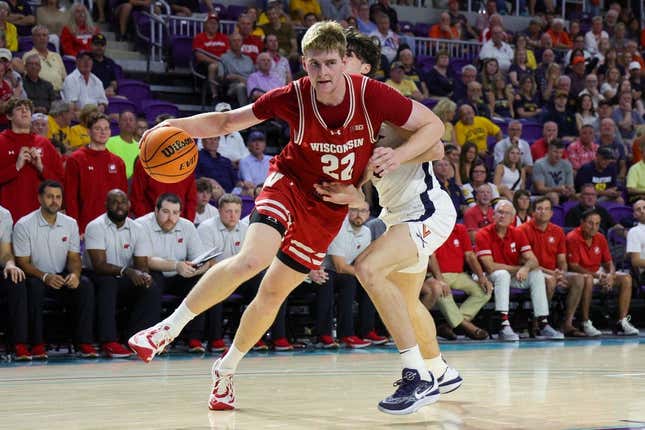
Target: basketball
x=168 y=154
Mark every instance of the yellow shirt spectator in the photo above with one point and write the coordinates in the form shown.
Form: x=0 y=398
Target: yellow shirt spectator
x=11 y=36
x=59 y=134
x=78 y=136
x=407 y=87
x=476 y=133
x=636 y=176
x=300 y=8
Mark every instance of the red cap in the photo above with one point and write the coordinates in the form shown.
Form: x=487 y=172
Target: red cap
x=577 y=59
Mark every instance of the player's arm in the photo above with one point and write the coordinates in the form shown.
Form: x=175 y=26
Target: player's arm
x=213 y=124
x=341 y=265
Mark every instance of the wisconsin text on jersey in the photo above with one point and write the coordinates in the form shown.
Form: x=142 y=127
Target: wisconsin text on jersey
x=331 y=148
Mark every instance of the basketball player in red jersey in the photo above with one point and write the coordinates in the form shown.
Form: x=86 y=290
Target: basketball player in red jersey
x=334 y=120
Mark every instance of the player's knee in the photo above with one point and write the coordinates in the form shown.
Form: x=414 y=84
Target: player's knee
x=365 y=272
x=251 y=264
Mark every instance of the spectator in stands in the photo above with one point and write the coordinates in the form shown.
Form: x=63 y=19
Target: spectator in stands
x=27 y=159
x=144 y=191
x=79 y=134
x=231 y=145
x=125 y=145
x=21 y=16
x=83 y=87
x=553 y=176
x=442 y=171
x=626 y=117
x=506 y=255
x=559 y=35
x=540 y=147
x=490 y=70
x=587 y=253
x=548 y=243
x=444 y=29
x=447 y=267
x=365 y=24
x=142 y=126
x=577 y=75
x=39 y=124
x=585 y=114
x=468 y=75
x=254 y=167
x=445 y=109
x=60 y=120
x=76 y=36
x=299 y=8
x=521 y=42
x=583 y=150
x=591 y=89
x=204 y=209
x=481 y=214
x=280 y=65
x=237 y=69
x=602 y=173
x=39 y=91
x=520 y=67
x=559 y=113
x=547 y=78
x=388 y=39
x=406 y=57
x=533 y=33
x=287 y=44
x=636 y=177
x=490 y=7
x=405 y=86
x=124 y=10
x=336 y=10
x=578 y=50
x=91 y=172
x=527 y=101
x=589 y=200
x=52 y=68
x=12 y=286
x=468 y=158
x=474 y=98
x=103 y=67
x=636 y=241
x=514 y=139
x=466 y=31
x=593 y=36
x=510 y=175
x=119 y=272
x=50 y=16
x=225 y=233
x=213 y=165
x=352 y=239
x=495 y=20
x=262 y=80
x=176 y=244
x=607 y=139
x=604 y=111
x=383 y=6
x=498 y=49
x=212 y=42
x=7 y=92
x=9 y=30
x=501 y=98
x=476 y=129
x=440 y=79
x=522 y=205
x=609 y=88
x=252 y=45
x=47 y=248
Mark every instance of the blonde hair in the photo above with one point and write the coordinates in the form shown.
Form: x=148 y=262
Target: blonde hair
x=443 y=107
x=86 y=111
x=72 y=19
x=324 y=36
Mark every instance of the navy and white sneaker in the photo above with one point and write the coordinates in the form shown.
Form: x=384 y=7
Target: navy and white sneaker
x=449 y=381
x=413 y=393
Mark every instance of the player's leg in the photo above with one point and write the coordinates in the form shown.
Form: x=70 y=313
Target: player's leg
x=278 y=282
x=258 y=249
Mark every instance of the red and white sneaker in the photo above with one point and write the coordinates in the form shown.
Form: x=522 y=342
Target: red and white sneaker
x=39 y=352
x=195 y=345
x=222 y=396
x=326 y=342
x=260 y=346
x=282 y=344
x=355 y=342
x=21 y=352
x=217 y=345
x=374 y=338
x=151 y=341
x=86 y=350
x=116 y=350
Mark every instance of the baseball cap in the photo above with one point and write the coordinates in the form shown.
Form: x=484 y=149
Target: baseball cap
x=211 y=16
x=222 y=107
x=6 y=54
x=561 y=94
x=606 y=153
x=577 y=59
x=634 y=65
x=256 y=135
x=397 y=64
x=99 y=39
x=406 y=27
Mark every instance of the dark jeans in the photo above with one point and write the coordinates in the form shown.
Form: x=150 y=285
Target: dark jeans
x=180 y=287
x=324 y=307
x=348 y=289
x=16 y=310
x=81 y=299
x=142 y=303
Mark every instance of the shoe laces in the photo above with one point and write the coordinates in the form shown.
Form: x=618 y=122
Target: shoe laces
x=626 y=322
x=405 y=385
x=160 y=336
x=223 y=385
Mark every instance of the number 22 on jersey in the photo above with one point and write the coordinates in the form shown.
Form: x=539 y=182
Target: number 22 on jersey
x=338 y=169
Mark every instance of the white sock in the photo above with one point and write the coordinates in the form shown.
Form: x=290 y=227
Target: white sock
x=436 y=366
x=411 y=359
x=178 y=319
x=231 y=360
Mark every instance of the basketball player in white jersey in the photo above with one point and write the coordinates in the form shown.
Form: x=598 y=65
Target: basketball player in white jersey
x=419 y=216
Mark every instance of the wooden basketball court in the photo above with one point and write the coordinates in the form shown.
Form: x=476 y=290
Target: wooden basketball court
x=531 y=385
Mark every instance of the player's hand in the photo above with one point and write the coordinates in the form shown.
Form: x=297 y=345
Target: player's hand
x=72 y=281
x=14 y=273
x=54 y=281
x=522 y=274
x=384 y=160
x=318 y=276
x=24 y=156
x=340 y=194
x=185 y=269
x=166 y=123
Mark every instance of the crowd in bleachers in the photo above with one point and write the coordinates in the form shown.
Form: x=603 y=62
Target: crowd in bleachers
x=550 y=119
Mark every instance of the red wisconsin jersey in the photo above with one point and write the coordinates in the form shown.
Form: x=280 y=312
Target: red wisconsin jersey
x=319 y=152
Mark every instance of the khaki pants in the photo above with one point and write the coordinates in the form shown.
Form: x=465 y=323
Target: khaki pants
x=476 y=299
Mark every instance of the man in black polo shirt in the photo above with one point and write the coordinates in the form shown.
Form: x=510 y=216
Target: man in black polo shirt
x=103 y=67
x=38 y=90
x=588 y=200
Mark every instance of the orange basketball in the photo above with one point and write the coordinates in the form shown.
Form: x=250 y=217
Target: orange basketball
x=168 y=154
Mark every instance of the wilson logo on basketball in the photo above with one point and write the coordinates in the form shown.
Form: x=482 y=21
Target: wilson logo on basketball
x=176 y=146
